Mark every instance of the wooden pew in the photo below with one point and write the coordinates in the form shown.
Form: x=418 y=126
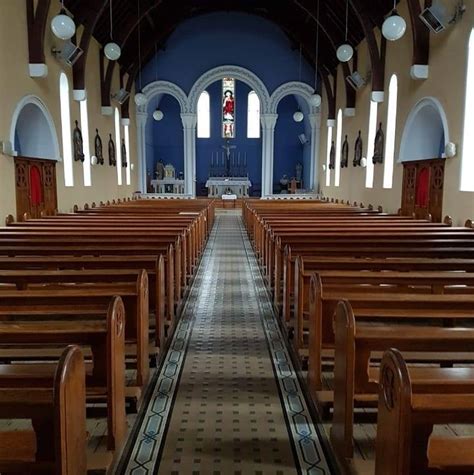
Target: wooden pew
x=355 y=382
x=407 y=412
x=56 y=405
x=104 y=335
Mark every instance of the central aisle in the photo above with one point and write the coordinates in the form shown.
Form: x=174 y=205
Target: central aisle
x=227 y=399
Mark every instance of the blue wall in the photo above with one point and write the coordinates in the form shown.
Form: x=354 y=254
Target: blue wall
x=205 y=42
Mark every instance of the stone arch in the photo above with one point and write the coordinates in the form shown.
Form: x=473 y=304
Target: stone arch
x=426 y=131
x=295 y=88
x=164 y=87
x=32 y=131
x=236 y=72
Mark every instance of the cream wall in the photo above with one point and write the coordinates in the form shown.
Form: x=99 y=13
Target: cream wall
x=15 y=83
x=446 y=82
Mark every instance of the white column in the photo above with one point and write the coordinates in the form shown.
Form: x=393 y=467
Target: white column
x=189 y=130
x=268 y=122
x=141 y=149
x=315 y=121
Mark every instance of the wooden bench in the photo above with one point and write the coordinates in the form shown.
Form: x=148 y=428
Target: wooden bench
x=105 y=337
x=355 y=383
x=407 y=412
x=55 y=403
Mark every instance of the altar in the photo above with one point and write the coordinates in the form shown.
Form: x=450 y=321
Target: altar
x=218 y=186
x=168 y=185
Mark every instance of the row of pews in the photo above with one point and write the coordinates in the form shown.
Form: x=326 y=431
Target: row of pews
x=379 y=309
x=88 y=303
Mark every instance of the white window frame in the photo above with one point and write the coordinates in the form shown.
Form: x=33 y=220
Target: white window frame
x=369 y=177
x=64 y=92
x=86 y=165
x=253 y=115
x=391 y=132
x=118 y=147
x=204 y=116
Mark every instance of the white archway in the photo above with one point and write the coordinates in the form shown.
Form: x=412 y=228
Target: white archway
x=305 y=91
x=32 y=130
x=425 y=129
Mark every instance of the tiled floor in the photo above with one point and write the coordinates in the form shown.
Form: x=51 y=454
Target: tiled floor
x=227 y=399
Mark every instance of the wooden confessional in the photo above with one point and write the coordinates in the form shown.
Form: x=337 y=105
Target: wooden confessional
x=422 y=192
x=35 y=182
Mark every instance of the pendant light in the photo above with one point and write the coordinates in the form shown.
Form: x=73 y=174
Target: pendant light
x=140 y=98
x=394 y=26
x=157 y=115
x=112 y=50
x=316 y=98
x=298 y=116
x=63 y=25
x=345 y=51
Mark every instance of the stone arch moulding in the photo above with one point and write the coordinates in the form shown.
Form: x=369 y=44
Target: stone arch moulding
x=236 y=72
x=164 y=87
x=426 y=102
x=292 y=88
x=305 y=91
x=36 y=101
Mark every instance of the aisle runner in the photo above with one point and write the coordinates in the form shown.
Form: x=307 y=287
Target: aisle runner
x=227 y=400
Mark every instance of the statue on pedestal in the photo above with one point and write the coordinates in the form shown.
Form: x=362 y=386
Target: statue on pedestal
x=357 y=151
x=345 y=153
x=160 y=170
x=77 y=143
x=332 y=156
x=379 y=146
x=299 y=171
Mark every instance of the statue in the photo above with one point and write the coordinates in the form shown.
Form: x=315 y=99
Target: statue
x=345 y=154
x=124 y=154
x=379 y=146
x=170 y=171
x=77 y=144
x=332 y=156
x=112 y=159
x=299 y=171
x=98 y=148
x=284 y=184
x=357 y=151
x=160 y=170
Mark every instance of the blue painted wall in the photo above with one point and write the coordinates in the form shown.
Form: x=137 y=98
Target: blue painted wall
x=212 y=40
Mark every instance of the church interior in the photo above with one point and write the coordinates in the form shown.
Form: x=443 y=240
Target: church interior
x=237 y=237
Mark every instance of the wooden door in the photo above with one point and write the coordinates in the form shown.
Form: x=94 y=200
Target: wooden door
x=35 y=182
x=422 y=191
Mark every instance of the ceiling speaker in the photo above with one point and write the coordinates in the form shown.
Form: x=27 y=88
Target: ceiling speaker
x=356 y=80
x=303 y=139
x=121 y=95
x=68 y=54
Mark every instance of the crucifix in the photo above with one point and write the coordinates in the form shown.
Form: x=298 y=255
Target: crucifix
x=227 y=147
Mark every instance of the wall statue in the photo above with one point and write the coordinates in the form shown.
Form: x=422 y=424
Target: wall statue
x=379 y=146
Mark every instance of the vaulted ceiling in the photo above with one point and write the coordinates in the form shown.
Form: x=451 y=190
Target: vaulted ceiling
x=297 y=18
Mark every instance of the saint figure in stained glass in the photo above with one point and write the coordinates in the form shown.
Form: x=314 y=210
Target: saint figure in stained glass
x=228 y=108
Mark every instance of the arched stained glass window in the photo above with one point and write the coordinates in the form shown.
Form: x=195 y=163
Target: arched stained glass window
x=204 y=116
x=253 y=116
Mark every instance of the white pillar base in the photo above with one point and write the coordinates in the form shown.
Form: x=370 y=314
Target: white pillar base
x=420 y=71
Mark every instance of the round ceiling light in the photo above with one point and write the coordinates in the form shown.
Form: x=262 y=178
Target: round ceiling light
x=140 y=99
x=298 y=116
x=112 y=51
x=394 y=27
x=63 y=26
x=344 y=53
x=158 y=115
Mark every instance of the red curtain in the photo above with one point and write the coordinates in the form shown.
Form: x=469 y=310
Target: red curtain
x=423 y=188
x=36 y=188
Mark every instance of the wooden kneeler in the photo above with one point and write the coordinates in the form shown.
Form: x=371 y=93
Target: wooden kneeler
x=57 y=407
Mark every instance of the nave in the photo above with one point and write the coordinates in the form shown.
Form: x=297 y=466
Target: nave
x=227 y=399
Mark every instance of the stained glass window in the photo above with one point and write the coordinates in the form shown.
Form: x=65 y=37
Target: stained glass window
x=228 y=108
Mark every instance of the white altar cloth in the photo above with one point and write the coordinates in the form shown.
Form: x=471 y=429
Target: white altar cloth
x=219 y=186
x=229 y=197
x=160 y=185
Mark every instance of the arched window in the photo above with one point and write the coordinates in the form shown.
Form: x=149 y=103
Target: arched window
x=86 y=166
x=328 y=156
x=369 y=177
x=118 y=146
x=126 y=133
x=337 y=173
x=66 y=130
x=253 y=116
x=467 y=165
x=391 y=129
x=204 y=116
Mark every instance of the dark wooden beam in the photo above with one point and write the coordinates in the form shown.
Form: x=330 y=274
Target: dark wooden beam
x=36 y=21
x=421 y=35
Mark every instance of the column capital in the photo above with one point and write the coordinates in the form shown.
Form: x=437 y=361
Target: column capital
x=268 y=121
x=189 y=121
x=141 y=118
